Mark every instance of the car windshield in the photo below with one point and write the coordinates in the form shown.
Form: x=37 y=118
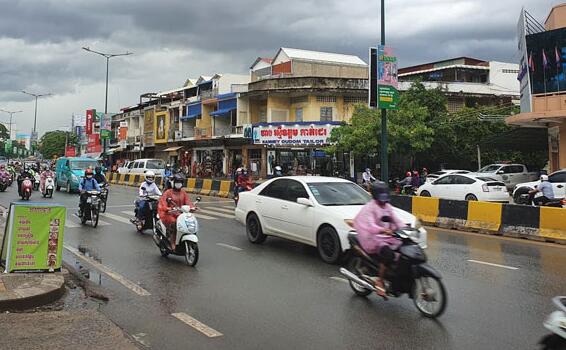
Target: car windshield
x=489 y=169
x=83 y=164
x=338 y=193
x=155 y=164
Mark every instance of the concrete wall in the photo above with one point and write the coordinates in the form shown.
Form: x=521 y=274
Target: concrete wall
x=504 y=75
x=226 y=80
x=277 y=105
x=556 y=18
x=313 y=69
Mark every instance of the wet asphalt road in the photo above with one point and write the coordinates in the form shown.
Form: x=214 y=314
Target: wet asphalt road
x=280 y=295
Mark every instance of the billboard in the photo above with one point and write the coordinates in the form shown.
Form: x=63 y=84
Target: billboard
x=293 y=134
x=148 y=127
x=90 y=116
x=523 y=77
x=79 y=120
x=105 y=125
x=547 y=61
x=93 y=145
x=383 y=91
x=161 y=122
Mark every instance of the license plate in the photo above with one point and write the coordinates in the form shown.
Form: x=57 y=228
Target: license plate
x=88 y=200
x=497 y=189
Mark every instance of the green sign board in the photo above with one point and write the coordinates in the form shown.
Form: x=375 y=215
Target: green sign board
x=388 y=97
x=387 y=93
x=8 y=147
x=104 y=134
x=33 y=238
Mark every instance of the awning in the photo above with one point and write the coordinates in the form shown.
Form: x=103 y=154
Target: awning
x=172 y=149
x=193 y=111
x=222 y=112
x=537 y=119
x=225 y=107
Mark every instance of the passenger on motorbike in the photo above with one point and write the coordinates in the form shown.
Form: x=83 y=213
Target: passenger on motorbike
x=545 y=188
x=278 y=171
x=147 y=188
x=88 y=183
x=99 y=176
x=415 y=179
x=168 y=216
x=375 y=224
x=43 y=177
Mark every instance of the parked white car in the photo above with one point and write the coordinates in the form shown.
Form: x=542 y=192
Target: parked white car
x=466 y=187
x=309 y=209
x=433 y=176
x=140 y=166
x=557 y=179
x=510 y=174
x=125 y=169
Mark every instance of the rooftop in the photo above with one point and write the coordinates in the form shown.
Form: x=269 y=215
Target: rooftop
x=317 y=56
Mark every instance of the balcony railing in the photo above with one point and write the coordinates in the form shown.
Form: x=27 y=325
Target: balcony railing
x=206 y=94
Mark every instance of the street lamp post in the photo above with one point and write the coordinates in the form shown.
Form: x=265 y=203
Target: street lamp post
x=108 y=56
x=384 y=158
x=35 y=114
x=11 y=115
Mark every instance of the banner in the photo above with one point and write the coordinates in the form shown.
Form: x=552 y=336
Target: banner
x=293 y=134
x=70 y=151
x=90 y=115
x=79 y=120
x=388 y=95
x=161 y=127
x=93 y=145
x=33 y=238
x=148 y=127
x=123 y=133
x=105 y=126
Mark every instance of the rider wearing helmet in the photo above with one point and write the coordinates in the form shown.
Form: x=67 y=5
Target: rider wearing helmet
x=178 y=197
x=278 y=171
x=43 y=177
x=88 y=183
x=368 y=178
x=99 y=176
x=147 y=188
x=545 y=188
x=375 y=224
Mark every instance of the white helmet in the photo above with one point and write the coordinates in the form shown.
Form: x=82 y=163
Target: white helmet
x=149 y=176
x=278 y=168
x=544 y=178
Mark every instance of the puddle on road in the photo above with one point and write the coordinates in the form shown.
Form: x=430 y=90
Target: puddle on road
x=91 y=274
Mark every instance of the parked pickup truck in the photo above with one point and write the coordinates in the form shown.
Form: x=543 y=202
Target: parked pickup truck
x=125 y=169
x=509 y=174
x=557 y=179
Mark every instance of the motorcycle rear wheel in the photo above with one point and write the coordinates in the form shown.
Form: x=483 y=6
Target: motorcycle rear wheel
x=191 y=253
x=103 y=206
x=423 y=289
x=94 y=217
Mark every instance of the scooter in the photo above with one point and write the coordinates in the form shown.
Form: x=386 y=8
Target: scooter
x=4 y=182
x=187 y=229
x=150 y=217
x=408 y=275
x=556 y=323
x=27 y=188
x=91 y=209
x=528 y=199
x=37 y=181
x=48 y=187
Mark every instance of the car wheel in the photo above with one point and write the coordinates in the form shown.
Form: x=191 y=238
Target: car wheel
x=425 y=194
x=471 y=197
x=328 y=245
x=254 y=230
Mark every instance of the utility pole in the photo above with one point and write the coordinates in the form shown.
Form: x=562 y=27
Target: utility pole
x=34 y=136
x=10 y=135
x=108 y=56
x=384 y=158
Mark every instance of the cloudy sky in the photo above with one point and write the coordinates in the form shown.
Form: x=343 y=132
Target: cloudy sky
x=172 y=40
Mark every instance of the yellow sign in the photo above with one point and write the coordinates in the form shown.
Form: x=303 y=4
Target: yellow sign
x=161 y=127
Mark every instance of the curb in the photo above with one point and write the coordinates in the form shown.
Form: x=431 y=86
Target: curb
x=51 y=289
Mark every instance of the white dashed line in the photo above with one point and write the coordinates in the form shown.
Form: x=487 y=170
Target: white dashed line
x=116 y=217
x=199 y=326
x=107 y=271
x=224 y=210
x=229 y=246
x=211 y=212
x=495 y=265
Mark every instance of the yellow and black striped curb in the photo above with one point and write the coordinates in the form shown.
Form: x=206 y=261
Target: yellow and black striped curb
x=537 y=223
x=208 y=187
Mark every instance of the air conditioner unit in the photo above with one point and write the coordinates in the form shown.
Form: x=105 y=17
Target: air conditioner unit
x=178 y=135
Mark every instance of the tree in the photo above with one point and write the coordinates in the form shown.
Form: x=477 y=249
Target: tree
x=4 y=134
x=53 y=143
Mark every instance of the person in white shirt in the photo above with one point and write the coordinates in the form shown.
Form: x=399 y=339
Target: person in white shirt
x=367 y=178
x=147 y=188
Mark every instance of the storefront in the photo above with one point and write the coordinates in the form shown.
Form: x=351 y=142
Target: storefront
x=297 y=147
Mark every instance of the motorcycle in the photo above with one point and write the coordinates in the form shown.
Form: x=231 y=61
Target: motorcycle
x=104 y=197
x=91 y=209
x=248 y=186
x=528 y=199
x=26 y=189
x=4 y=182
x=187 y=229
x=150 y=218
x=48 y=187
x=36 y=182
x=556 y=323
x=408 y=275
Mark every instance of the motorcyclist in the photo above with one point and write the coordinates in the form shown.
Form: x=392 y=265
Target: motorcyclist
x=406 y=182
x=242 y=181
x=147 y=188
x=236 y=178
x=278 y=171
x=545 y=188
x=367 y=179
x=375 y=224
x=99 y=176
x=24 y=174
x=415 y=179
x=88 y=183
x=167 y=177
x=43 y=177
x=178 y=198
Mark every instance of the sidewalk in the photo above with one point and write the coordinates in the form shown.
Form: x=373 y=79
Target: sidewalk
x=20 y=291
x=84 y=329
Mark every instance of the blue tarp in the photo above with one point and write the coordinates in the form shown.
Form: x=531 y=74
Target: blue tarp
x=222 y=112
x=225 y=107
x=193 y=111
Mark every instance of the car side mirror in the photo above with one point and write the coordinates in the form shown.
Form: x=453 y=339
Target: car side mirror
x=500 y=172
x=305 y=201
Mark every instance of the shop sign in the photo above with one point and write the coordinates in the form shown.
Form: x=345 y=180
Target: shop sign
x=70 y=151
x=248 y=130
x=33 y=239
x=90 y=115
x=93 y=145
x=8 y=146
x=292 y=134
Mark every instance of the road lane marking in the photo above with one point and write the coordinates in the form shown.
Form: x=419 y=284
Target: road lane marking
x=199 y=326
x=229 y=246
x=107 y=271
x=129 y=212
x=199 y=216
x=117 y=218
x=223 y=210
x=339 y=279
x=492 y=264
x=211 y=212
x=71 y=224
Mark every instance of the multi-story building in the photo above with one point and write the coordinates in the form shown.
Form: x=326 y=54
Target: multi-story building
x=543 y=80
x=467 y=82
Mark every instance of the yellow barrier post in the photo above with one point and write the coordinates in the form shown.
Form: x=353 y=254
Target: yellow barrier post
x=553 y=223
x=206 y=187
x=484 y=215
x=426 y=208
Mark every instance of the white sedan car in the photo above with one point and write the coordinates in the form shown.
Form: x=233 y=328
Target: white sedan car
x=433 y=176
x=309 y=209
x=465 y=187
